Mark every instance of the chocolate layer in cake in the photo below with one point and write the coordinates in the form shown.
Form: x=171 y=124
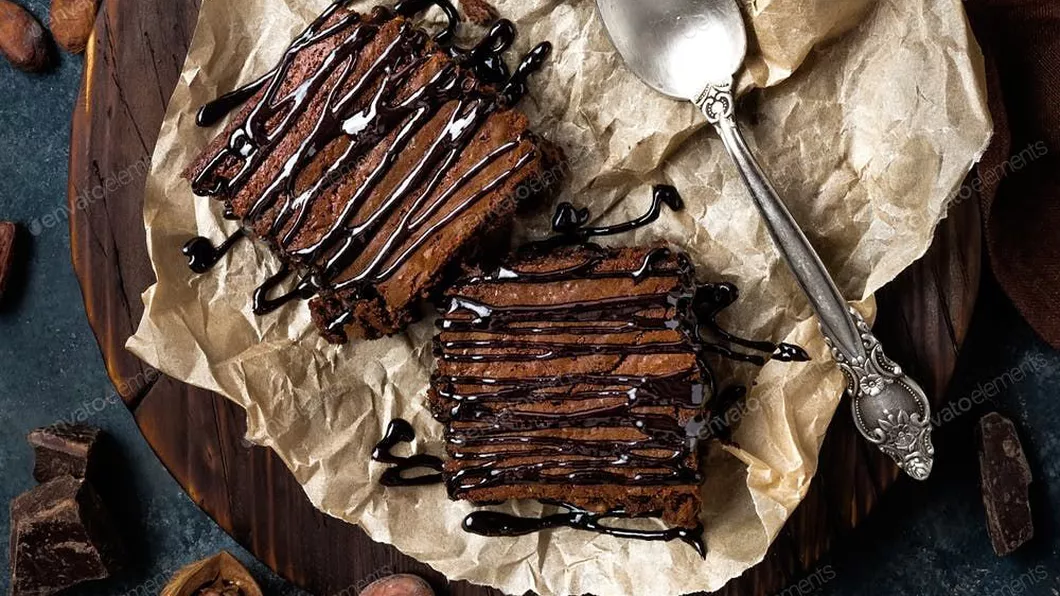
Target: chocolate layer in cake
x=370 y=159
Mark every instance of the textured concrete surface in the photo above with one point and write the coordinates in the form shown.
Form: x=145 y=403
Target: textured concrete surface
x=931 y=538
x=49 y=360
x=926 y=538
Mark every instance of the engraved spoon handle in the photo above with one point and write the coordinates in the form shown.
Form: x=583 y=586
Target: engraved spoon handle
x=890 y=409
x=796 y=250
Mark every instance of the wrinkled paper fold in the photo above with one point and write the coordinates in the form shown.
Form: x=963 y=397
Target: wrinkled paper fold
x=873 y=115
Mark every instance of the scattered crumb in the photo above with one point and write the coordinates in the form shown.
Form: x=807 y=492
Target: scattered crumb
x=480 y=12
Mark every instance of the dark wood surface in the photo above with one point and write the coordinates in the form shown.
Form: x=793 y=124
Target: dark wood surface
x=131 y=69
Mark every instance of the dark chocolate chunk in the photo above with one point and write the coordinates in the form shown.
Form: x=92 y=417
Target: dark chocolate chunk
x=63 y=450
x=1006 y=477
x=7 y=252
x=61 y=536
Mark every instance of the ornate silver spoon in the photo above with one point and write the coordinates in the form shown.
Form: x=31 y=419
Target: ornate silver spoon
x=692 y=50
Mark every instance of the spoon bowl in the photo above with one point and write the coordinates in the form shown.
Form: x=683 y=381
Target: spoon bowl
x=678 y=47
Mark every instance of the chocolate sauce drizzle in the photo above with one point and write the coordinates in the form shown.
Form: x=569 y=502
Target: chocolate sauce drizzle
x=366 y=105
x=492 y=523
x=569 y=221
x=488 y=428
x=397 y=432
x=203 y=255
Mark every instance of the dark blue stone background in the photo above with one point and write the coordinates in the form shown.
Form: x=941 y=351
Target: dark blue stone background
x=924 y=539
x=49 y=361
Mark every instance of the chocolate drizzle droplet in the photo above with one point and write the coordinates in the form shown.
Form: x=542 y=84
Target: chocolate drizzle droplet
x=400 y=431
x=575 y=226
x=212 y=112
x=203 y=255
x=411 y=8
x=569 y=221
x=486 y=58
x=518 y=85
x=263 y=305
x=708 y=302
x=492 y=523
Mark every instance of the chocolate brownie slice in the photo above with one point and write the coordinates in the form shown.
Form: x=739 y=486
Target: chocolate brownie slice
x=574 y=376
x=373 y=157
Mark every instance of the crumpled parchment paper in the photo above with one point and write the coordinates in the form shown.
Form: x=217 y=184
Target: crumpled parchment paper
x=874 y=115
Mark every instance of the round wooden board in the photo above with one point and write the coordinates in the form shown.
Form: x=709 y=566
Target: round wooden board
x=131 y=69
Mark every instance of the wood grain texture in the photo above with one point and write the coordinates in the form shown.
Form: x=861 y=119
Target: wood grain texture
x=132 y=66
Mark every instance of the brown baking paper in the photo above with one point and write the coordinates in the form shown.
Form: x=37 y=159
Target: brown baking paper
x=874 y=116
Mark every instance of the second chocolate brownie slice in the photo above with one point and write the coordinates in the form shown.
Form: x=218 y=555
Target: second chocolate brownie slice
x=573 y=376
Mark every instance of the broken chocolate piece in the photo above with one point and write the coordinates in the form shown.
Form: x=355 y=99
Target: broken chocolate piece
x=62 y=450
x=1006 y=477
x=61 y=536
x=7 y=252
